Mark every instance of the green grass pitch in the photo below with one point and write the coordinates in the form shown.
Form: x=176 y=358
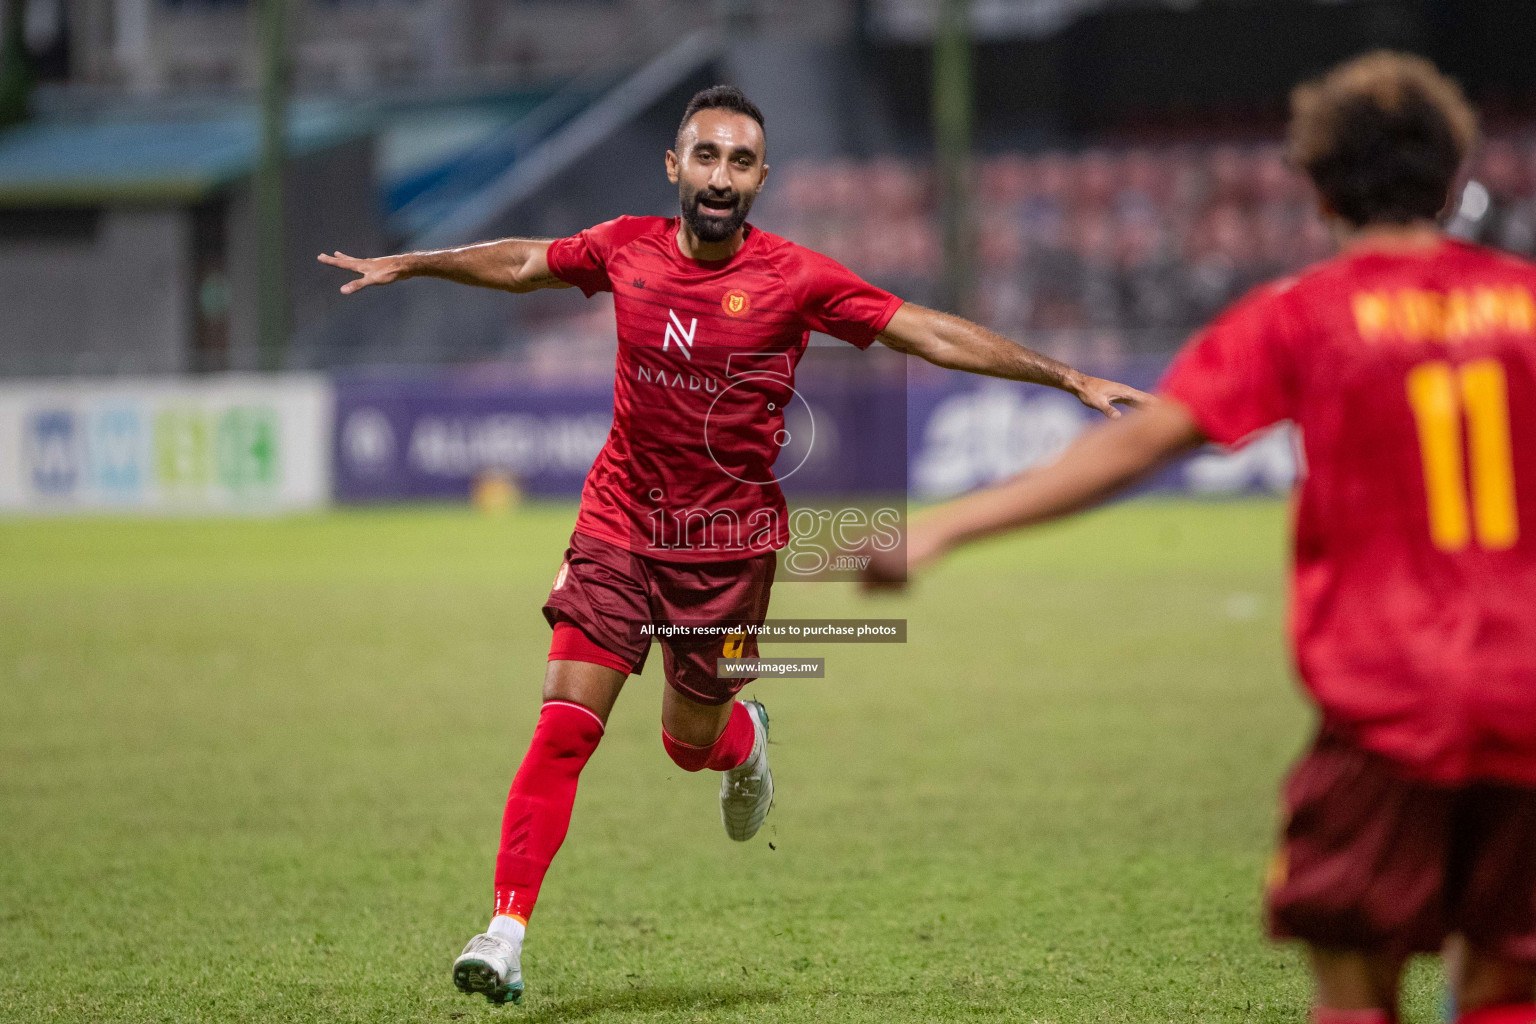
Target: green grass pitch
x=253 y=771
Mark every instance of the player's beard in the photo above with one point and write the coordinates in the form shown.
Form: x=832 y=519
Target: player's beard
x=707 y=228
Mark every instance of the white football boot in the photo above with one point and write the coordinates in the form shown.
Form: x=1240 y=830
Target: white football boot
x=491 y=966
x=746 y=791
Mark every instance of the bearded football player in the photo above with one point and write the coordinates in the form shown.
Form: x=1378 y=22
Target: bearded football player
x=1408 y=363
x=680 y=515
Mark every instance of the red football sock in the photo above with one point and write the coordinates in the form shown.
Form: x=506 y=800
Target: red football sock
x=539 y=805
x=1508 y=1013
x=732 y=748
x=1328 y=1015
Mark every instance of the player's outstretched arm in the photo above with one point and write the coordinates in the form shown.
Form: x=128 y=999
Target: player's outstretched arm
x=1101 y=462
x=510 y=264
x=958 y=344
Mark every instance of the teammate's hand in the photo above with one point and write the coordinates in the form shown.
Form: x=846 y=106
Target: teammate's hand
x=892 y=570
x=887 y=570
x=380 y=270
x=1098 y=393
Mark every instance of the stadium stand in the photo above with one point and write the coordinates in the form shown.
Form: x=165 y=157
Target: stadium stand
x=1094 y=256
x=1107 y=252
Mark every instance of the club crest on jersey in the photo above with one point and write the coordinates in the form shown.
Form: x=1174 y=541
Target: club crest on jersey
x=736 y=302
x=683 y=336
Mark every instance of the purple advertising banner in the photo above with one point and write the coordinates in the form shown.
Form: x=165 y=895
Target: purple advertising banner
x=427 y=437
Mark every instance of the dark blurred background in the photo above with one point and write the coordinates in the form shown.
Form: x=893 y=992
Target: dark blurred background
x=1126 y=178
x=1095 y=178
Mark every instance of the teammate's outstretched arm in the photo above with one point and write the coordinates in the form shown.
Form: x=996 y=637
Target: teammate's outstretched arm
x=510 y=264
x=1098 y=464
x=958 y=344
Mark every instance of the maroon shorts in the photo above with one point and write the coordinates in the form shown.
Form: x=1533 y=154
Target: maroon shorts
x=1377 y=861
x=610 y=592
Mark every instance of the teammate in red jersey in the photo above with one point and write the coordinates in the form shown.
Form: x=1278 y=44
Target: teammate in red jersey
x=681 y=515
x=1409 y=364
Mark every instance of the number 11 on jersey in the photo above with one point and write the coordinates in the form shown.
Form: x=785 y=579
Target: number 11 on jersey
x=1440 y=395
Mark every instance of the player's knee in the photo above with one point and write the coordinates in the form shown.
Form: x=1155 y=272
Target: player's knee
x=686 y=756
x=567 y=732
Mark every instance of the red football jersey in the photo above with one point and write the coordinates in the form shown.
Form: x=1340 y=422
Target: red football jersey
x=706 y=368
x=1412 y=378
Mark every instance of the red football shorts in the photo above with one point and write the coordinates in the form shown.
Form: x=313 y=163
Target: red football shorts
x=1376 y=861
x=609 y=592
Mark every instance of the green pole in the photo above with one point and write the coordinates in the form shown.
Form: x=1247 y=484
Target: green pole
x=952 y=149
x=15 y=72
x=271 y=273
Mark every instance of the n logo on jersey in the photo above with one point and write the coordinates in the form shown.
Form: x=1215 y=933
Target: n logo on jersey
x=676 y=332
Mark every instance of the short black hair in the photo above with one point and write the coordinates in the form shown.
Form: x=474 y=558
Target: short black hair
x=720 y=97
x=1383 y=137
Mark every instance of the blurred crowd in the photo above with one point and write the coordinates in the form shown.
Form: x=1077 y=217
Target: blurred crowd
x=1106 y=253
x=1092 y=257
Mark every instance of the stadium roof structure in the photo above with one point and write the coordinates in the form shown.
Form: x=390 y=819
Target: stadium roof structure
x=578 y=133
x=143 y=159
